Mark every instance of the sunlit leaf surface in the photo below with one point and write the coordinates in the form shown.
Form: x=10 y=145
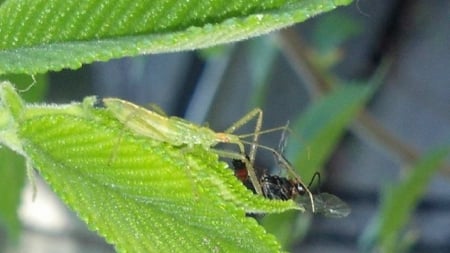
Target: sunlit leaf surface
x=141 y=195
x=42 y=35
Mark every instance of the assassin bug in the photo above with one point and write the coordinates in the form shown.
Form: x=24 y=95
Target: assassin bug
x=177 y=131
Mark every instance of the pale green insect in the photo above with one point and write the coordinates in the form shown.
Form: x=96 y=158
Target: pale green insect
x=177 y=131
x=173 y=130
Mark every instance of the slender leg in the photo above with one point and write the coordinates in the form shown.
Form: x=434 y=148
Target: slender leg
x=258 y=114
x=285 y=163
x=248 y=165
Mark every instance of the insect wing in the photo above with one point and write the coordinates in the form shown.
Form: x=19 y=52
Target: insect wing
x=330 y=206
x=326 y=204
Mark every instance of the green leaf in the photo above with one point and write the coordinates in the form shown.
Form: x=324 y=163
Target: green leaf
x=386 y=229
x=32 y=88
x=334 y=29
x=322 y=125
x=12 y=175
x=288 y=227
x=399 y=202
x=12 y=169
x=11 y=105
x=262 y=53
x=42 y=35
x=140 y=194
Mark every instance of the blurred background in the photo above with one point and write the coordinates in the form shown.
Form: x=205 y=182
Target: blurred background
x=399 y=48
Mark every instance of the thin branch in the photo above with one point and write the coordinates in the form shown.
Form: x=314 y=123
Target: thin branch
x=318 y=84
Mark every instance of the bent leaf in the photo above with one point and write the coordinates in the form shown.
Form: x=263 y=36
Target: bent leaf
x=141 y=195
x=42 y=35
x=386 y=230
x=322 y=125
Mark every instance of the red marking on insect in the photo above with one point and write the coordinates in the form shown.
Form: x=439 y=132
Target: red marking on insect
x=240 y=171
x=281 y=188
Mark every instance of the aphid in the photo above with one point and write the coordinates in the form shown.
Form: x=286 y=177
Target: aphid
x=177 y=131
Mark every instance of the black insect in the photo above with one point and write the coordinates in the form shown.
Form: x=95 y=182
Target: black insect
x=282 y=188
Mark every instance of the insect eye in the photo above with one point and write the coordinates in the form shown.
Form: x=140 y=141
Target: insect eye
x=300 y=189
x=265 y=179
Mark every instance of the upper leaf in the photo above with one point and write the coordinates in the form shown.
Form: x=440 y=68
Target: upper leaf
x=42 y=35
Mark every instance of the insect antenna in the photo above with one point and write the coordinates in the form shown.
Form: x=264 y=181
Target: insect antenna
x=316 y=174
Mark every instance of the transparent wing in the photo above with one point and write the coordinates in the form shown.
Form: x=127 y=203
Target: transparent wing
x=327 y=204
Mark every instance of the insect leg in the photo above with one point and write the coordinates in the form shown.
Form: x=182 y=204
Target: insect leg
x=248 y=165
x=258 y=114
x=286 y=164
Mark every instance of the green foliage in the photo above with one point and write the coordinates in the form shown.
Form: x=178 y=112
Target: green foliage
x=333 y=30
x=12 y=175
x=12 y=169
x=386 y=231
x=43 y=35
x=140 y=194
x=261 y=55
x=322 y=125
x=287 y=227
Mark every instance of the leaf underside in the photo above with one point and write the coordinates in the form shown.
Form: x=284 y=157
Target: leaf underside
x=42 y=35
